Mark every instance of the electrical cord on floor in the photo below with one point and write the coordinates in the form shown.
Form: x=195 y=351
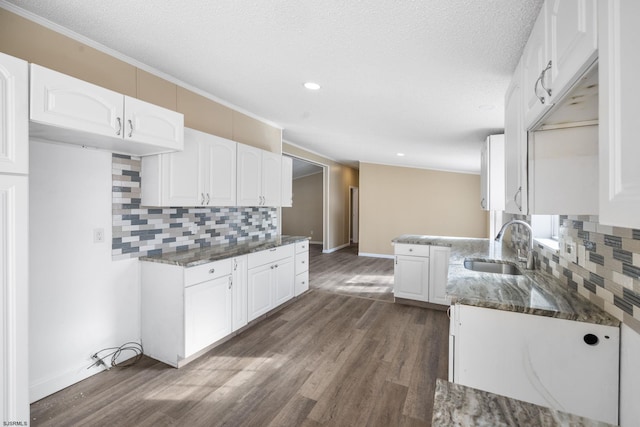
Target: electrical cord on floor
x=115 y=353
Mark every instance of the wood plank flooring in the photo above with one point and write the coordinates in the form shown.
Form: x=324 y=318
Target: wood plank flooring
x=327 y=359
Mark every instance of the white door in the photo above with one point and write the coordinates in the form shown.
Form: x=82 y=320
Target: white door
x=67 y=102
x=180 y=175
x=259 y=284
x=207 y=313
x=271 y=178
x=14 y=255
x=154 y=125
x=239 y=292
x=411 y=277
x=287 y=182
x=284 y=283
x=218 y=168
x=515 y=148
x=573 y=41
x=14 y=115
x=619 y=149
x=438 y=275
x=249 y=172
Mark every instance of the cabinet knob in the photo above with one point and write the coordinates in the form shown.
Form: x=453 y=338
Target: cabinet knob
x=303 y=261
x=410 y=250
x=213 y=270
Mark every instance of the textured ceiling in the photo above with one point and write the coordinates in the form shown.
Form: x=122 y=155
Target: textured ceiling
x=397 y=75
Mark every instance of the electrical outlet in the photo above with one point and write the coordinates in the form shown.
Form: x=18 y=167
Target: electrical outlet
x=98 y=235
x=571 y=252
x=193 y=228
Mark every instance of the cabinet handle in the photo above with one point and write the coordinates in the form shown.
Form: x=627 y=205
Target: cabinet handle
x=449 y=312
x=130 y=128
x=541 y=81
x=119 y=125
x=208 y=199
x=396 y=260
x=515 y=198
x=230 y=282
x=273 y=250
x=202 y=198
x=213 y=270
x=482 y=205
x=235 y=265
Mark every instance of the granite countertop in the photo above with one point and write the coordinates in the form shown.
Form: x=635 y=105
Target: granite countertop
x=533 y=292
x=194 y=257
x=458 y=405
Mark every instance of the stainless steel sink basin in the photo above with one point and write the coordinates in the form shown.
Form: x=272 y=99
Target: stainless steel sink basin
x=491 y=267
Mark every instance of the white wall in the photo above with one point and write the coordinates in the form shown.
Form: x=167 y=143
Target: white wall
x=79 y=300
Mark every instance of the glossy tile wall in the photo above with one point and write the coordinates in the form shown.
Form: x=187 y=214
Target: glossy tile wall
x=139 y=230
x=607 y=269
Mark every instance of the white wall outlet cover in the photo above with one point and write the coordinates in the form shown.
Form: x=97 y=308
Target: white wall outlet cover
x=98 y=235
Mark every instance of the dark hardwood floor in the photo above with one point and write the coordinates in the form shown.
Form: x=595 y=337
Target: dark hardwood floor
x=327 y=359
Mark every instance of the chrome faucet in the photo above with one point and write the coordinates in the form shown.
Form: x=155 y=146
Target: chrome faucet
x=530 y=260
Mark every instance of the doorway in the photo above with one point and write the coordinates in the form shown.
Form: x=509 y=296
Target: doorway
x=354 y=214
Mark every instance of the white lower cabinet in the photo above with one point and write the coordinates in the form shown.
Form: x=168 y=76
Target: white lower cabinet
x=207 y=313
x=420 y=273
x=563 y=364
x=302 y=268
x=239 y=293
x=184 y=310
x=270 y=279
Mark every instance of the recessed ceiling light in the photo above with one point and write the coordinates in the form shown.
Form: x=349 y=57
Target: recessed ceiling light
x=400 y=154
x=312 y=86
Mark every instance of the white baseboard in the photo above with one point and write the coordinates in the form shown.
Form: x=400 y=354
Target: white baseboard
x=337 y=248
x=313 y=242
x=375 y=255
x=55 y=382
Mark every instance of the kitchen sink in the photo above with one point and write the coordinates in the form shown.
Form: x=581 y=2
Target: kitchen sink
x=491 y=267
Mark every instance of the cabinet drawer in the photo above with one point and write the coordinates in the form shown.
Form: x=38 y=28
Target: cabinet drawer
x=302 y=263
x=209 y=271
x=415 y=250
x=270 y=255
x=302 y=246
x=302 y=283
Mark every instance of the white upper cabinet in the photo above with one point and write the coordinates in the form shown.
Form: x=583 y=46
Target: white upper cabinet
x=259 y=174
x=14 y=115
x=287 y=181
x=492 y=174
x=203 y=174
x=67 y=109
x=562 y=46
x=619 y=149
x=515 y=148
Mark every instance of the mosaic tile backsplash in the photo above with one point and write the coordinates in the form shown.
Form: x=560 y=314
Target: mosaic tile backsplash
x=140 y=231
x=607 y=270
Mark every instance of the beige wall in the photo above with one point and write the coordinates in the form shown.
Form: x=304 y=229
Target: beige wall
x=396 y=200
x=304 y=218
x=337 y=183
x=35 y=43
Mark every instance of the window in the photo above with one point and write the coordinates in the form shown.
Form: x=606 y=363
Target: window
x=546 y=230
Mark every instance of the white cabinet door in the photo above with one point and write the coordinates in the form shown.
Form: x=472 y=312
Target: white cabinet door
x=284 y=281
x=573 y=41
x=14 y=115
x=249 y=192
x=492 y=174
x=411 y=277
x=70 y=103
x=287 y=182
x=534 y=61
x=218 y=170
x=619 y=149
x=207 y=313
x=150 y=124
x=14 y=255
x=260 y=283
x=539 y=359
x=439 y=275
x=239 y=293
x=271 y=178
x=515 y=148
